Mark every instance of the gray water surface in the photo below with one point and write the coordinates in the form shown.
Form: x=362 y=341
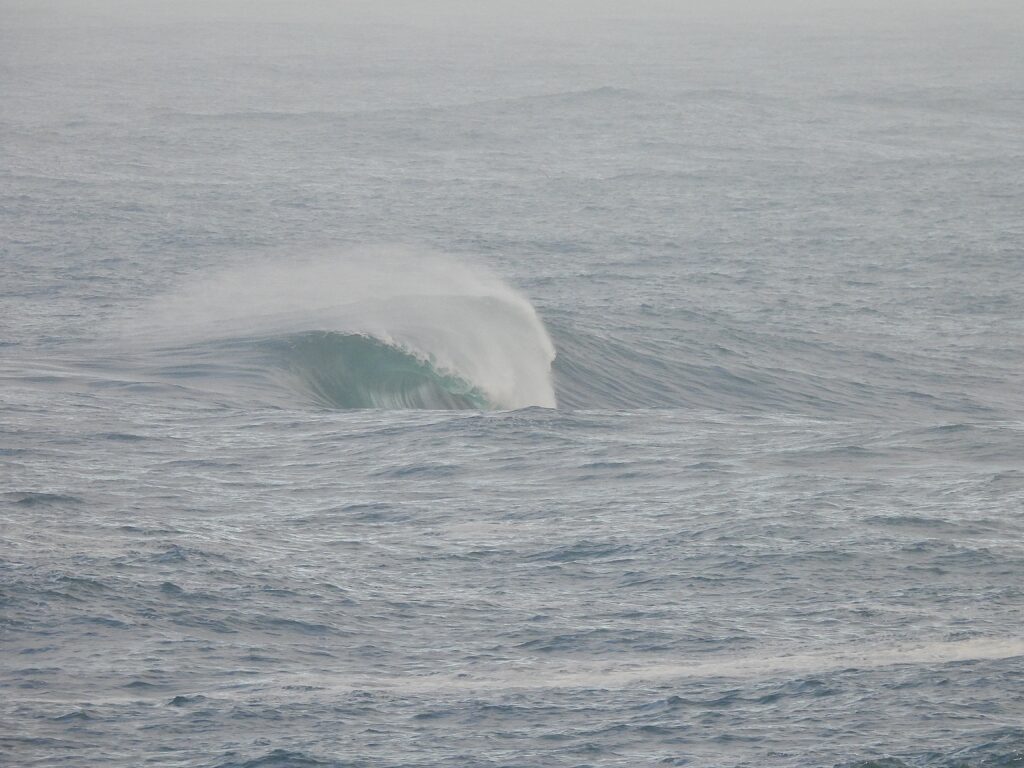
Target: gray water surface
x=775 y=518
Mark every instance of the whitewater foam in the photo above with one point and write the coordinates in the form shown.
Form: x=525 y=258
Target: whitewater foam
x=534 y=674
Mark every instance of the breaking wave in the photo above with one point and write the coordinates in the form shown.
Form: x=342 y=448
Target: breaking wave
x=369 y=329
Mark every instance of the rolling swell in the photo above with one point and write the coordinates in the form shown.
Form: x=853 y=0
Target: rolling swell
x=389 y=329
x=708 y=364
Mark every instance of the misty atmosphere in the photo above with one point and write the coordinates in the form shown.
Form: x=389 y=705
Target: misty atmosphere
x=508 y=383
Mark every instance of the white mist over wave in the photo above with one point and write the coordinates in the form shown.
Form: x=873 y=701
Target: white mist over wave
x=459 y=318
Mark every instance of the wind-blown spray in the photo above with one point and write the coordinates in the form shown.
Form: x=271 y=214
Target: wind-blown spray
x=383 y=328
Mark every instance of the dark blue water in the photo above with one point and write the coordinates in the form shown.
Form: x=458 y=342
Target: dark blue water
x=460 y=388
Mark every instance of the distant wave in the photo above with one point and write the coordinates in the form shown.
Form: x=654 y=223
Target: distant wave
x=585 y=97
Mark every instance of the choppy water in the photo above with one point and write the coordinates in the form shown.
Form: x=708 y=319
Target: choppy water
x=504 y=390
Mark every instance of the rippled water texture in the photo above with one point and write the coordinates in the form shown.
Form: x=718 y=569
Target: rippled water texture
x=547 y=386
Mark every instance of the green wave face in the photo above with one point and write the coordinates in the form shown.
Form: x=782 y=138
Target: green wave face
x=355 y=371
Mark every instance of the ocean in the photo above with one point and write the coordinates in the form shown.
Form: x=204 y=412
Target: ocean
x=511 y=385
